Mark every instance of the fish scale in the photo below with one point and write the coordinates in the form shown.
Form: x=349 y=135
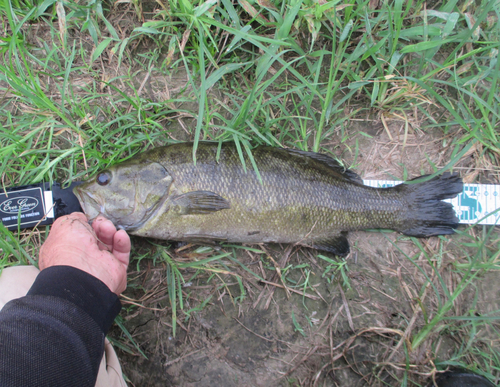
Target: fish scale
x=304 y=197
x=292 y=189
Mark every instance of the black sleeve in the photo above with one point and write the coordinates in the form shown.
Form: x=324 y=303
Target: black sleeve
x=54 y=336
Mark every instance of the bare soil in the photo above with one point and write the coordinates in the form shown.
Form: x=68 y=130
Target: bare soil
x=342 y=337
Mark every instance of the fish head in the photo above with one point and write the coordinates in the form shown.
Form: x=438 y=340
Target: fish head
x=127 y=194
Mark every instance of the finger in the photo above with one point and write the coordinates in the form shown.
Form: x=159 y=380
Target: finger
x=78 y=216
x=65 y=225
x=105 y=230
x=68 y=218
x=121 y=246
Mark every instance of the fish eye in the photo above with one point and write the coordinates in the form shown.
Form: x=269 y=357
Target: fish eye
x=103 y=178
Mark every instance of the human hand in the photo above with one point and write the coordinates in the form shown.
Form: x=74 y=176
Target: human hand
x=99 y=250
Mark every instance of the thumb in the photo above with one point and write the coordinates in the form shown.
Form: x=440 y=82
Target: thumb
x=121 y=246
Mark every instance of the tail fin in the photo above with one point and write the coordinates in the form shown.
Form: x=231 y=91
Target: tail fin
x=427 y=214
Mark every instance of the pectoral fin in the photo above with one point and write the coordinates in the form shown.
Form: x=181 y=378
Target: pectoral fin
x=338 y=245
x=199 y=202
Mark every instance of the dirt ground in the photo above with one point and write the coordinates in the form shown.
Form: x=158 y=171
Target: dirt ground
x=255 y=342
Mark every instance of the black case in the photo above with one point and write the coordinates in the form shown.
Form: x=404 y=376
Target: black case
x=36 y=204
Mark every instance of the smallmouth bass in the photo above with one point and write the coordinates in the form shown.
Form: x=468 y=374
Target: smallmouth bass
x=305 y=198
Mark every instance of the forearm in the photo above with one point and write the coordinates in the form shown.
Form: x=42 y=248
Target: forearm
x=55 y=335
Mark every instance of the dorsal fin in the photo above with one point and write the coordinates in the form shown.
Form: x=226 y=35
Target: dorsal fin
x=331 y=163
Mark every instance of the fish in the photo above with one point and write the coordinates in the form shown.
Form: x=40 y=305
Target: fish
x=296 y=197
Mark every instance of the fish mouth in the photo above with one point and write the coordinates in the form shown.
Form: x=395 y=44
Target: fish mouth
x=90 y=204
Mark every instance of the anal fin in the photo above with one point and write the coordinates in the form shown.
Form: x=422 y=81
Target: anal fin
x=338 y=245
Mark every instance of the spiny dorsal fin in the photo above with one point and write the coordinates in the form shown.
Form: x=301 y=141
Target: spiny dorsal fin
x=330 y=162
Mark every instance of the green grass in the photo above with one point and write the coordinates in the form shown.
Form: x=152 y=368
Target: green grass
x=81 y=90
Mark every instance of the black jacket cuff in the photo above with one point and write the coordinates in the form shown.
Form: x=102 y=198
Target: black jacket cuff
x=81 y=289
